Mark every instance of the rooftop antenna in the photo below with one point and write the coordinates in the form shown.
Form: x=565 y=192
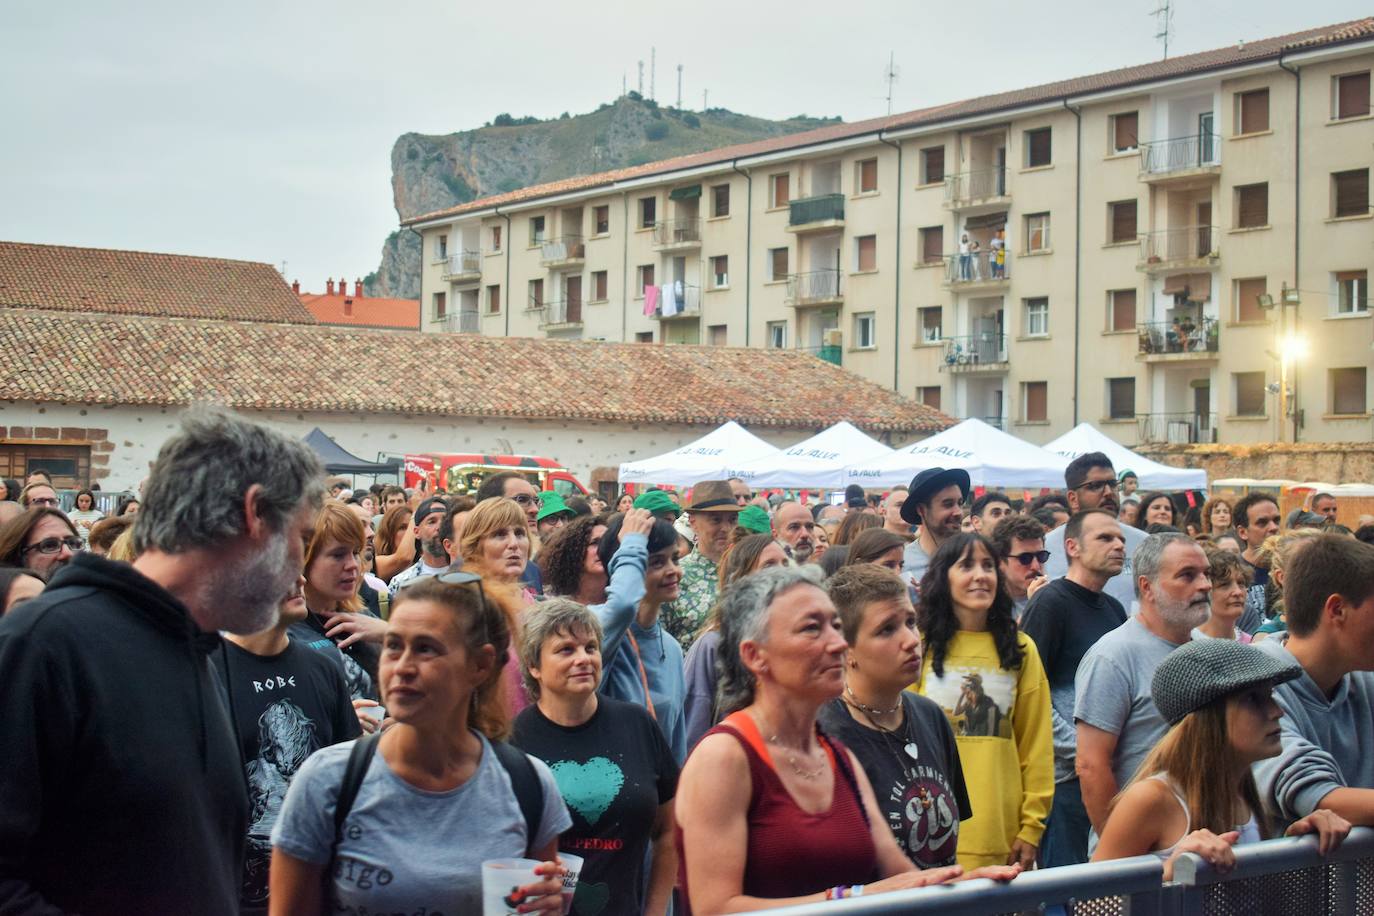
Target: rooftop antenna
x=283 y=268
x=623 y=86
x=653 y=72
x=679 y=87
x=705 y=95
x=640 y=89
x=893 y=71
x=1164 y=22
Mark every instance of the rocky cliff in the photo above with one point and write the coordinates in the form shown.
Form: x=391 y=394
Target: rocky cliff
x=431 y=172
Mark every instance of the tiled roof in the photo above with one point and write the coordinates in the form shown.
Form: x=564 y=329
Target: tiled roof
x=144 y=283
x=109 y=359
x=1185 y=65
x=367 y=312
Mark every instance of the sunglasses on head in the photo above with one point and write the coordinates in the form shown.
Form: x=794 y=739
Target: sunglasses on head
x=456 y=577
x=49 y=546
x=1030 y=556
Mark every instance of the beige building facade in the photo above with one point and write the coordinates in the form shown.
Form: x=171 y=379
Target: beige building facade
x=1177 y=253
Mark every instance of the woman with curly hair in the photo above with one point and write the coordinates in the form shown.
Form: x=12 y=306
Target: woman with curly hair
x=1216 y=515
x=987 y=677
x=569 y=562
x=1157 y=508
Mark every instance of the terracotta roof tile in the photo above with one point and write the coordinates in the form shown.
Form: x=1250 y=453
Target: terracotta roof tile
x=111 y=359
x=1184 y=65
x=144 y=283
x=367 y=312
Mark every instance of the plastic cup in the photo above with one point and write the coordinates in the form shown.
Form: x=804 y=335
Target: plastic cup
x=501 y=883
x=374 y=711
x=574 y=866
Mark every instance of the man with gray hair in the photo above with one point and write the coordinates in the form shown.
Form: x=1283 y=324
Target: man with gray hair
x=123 y=789
x=1116 y=717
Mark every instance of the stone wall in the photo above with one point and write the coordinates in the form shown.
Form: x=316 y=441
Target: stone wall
x=1345 y=462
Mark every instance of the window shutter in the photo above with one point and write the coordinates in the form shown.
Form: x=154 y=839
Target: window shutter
x=1038 y=152
x=1122 y=403
x=868 y=252
x=1254 y=111
x=1126 y=131
x=779 y=263
x=930 y=396
x=781 y=195
x=1254 y=206
x=1123 y=310
x=933 y=244
x=1348 y=391
x=1352 y=96
x=1248 y=292
x=1352 y=192
x=868 y=175
x=935 y=164
x=1036 y=401
x=1124 y=221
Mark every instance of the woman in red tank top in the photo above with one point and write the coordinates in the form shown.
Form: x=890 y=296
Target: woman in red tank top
x=770 y=811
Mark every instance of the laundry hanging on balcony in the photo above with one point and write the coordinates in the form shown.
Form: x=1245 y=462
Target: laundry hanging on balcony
x=650 y=300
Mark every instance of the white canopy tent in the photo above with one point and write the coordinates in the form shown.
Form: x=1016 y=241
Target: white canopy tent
x=712 y=457
x=816 y=463
x=1337 y=489
x=991 y=457
x=1152 y=475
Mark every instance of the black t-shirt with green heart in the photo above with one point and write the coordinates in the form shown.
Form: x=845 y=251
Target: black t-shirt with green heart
x=613 y=771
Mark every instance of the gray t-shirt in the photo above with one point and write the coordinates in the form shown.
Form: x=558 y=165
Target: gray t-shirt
x=915 y=562
x=1112 y=692
x=405 y=850
x=1121 y=586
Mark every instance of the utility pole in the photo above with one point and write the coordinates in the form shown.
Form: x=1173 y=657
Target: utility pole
x=653 y=72
x=679 y=87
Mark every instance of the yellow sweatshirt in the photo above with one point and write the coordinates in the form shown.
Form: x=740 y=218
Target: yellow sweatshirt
x=1001 y=722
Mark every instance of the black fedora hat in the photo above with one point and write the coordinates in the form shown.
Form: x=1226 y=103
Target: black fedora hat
x=929 y=482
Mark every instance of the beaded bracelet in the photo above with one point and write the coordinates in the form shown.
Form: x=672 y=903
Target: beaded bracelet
x=842 y=892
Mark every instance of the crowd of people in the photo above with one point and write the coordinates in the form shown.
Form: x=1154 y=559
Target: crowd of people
x=248 y=693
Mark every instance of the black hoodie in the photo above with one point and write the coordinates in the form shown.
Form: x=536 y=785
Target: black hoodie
x=121 y=789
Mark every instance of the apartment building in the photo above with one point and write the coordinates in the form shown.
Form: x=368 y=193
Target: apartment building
x=1177 y=252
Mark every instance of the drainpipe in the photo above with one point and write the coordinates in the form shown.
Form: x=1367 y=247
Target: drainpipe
x=419 y=235
x=748 y=243
x=625 y=270
x=1077 y=247
x=897 y=284
x=1297 y=223
x=510 y=296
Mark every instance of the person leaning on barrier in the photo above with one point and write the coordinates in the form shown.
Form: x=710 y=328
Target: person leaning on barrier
x=1195 y=791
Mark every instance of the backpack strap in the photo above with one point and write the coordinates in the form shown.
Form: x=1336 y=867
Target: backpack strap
x=529 y=791
x=359 y=759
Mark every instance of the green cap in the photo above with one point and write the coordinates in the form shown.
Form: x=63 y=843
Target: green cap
x=551 y=503
x=657 y=501
x=756 y=520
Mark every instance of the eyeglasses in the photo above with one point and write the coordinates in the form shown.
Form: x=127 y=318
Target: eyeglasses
x=50 y=546
x=43 y=501
x=524 y=499
x=1030 y=556
x=1096 y=486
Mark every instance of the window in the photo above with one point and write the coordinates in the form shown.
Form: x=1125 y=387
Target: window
x=779 y=190
x=644 y=278
x=1249 y=393
x=493 y=300
x=1123 y=218
x=720 y=271
x=1035 y=398
x=601 y=220
x=600 y=284
x=1348 y=391
x=720 y=200
x=1350 y=96
x=1037 y=147
x=777 y=264
x=536 y=294
x=933 y=165
x=440 y=305
x=866 y=253
x=1352 y=292
x=1037 y=232
x=441 y=247
x=495 y=238
x=1121 y=310
x=1248 y=291
x=644 y=337
x=1350 y=193
x=931 y=324
x=1121 y=398
x=1125 y=131
x=648 y=212
x=717 y=335
x=864 y=325
x=1037 y=317
x=929 y=395
x=932 y=245
x=1252 y=111
x=1252 y=206
x=536 y=230
x=866 y=176
x=777 y=335
x=69 y=465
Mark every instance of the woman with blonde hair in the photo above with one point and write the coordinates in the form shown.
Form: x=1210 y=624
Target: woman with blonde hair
x=1274 y=554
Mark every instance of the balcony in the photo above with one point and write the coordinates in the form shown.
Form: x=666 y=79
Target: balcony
x=1185 y=340
x=812 y=214
x=976 y=353
x=464 y=267
x=1180 y=158
x=816 y=287
x=996 y=422
x=1188 y=247
x=464 y=322
x=985 y=188
x=979 y=270
x=1177 y=428
x=677 y=234
x=564 y=251
x=684 y=304
x=831 y=353
x=563 y=313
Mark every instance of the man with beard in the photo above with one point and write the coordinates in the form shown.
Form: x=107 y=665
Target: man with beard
x=1091 y=484
x=792 y=525
x=891 y=511
x=1117 y=721
x=429 y=518
x=713 y=514
x=123 y=791
x=935 y=502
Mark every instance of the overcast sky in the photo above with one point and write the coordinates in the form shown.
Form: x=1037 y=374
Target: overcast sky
x=263 y=130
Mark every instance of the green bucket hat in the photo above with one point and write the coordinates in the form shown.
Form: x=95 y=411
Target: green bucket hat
x=657 y=501
x=756 y=520
x=551 y=503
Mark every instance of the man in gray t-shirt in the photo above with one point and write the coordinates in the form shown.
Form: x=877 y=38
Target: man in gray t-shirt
x=1090 y=483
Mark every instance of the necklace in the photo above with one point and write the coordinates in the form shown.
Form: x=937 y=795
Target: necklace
x=869 y=710
x=792 y=759
x=909 y=748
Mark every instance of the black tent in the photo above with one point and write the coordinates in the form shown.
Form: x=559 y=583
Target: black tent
x=337 y=460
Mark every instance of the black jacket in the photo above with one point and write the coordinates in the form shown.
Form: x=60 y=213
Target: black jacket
x=121 y=787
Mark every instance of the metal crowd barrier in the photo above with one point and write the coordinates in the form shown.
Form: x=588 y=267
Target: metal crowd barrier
x=1280 y=877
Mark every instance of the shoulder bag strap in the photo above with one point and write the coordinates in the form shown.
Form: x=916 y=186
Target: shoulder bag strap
x=524 y=781
x=359 y=759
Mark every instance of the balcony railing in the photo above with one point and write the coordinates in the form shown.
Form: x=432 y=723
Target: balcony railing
x=1160 y=157
x=465 y=263
x=995 y=422
x=965 y=187
x=679 y=303
x=814 y=286
x=564 y=311
x=1187 y=243
x=978 y=267
x=536 y=304
x=463 y=322
x=1181 y=427
x=831 y=353
x=563 y=248
x=677 y=232
x=975 y=350
x=1184 y=336
x=822 y=208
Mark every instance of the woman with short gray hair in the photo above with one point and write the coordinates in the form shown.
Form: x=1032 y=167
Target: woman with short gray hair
x=609 y=745
x=773 y=812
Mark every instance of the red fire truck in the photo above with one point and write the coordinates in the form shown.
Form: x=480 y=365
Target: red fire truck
x=463 y=473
